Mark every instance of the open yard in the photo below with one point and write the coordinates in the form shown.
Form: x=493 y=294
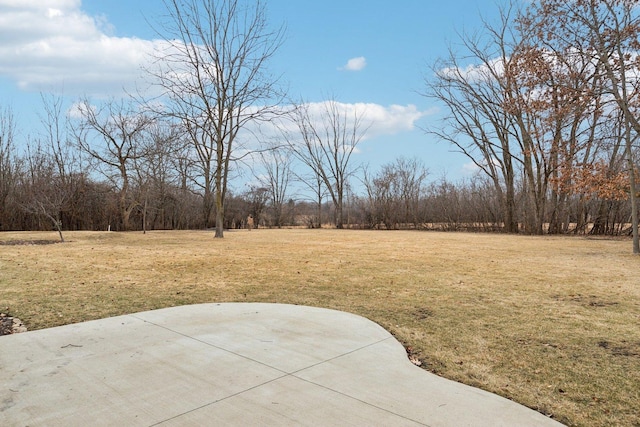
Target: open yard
x=550 y=322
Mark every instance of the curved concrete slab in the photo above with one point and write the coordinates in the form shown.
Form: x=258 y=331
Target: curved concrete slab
x=233 y=364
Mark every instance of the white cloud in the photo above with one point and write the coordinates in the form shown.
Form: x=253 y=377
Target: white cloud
x=476 y=73
x=355 y=64
x=42 y=4
x=52 y=13
x=49 y=44
x=77 y=109
x=470 y=168
x=374 y=119
x=391 y=119
x=377 y=119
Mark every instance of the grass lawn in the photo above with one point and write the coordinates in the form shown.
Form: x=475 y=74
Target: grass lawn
x=550 y=322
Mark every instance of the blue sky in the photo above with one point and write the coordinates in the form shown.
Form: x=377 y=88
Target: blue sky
x=372 y=52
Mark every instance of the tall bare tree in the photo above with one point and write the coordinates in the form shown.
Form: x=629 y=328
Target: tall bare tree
x=54 y=167
x=277 y=167
x=326 y=139
x=157 y=174
x=214 y=82
x=112 y=135
x=476 y=120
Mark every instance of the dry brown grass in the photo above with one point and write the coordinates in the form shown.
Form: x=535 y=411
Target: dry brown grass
x=551 y=322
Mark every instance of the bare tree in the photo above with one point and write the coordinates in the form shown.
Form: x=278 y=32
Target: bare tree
x=156 y=174
x=44 y=191
x=277 y=165
x=63 y=167
x=214 y=82
x=474 y=97
x=326 y=138
x=315 y=184
x=112 y=135
x=394 y=193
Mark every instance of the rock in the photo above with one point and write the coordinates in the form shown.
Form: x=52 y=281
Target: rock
x=415 y=361
x=18 y=326
x=11 y=325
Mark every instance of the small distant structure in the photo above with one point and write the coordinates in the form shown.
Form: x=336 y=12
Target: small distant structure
x=250 y=222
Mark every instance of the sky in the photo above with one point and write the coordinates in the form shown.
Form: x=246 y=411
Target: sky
x=373 y=53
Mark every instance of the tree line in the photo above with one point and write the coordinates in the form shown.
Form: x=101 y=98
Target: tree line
x=544 y=102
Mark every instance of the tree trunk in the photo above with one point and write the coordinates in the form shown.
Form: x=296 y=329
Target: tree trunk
x=319 y=204
x=125 y=213
x=633 y=193
x=510 y=221
x=144 y=217
x=339 y=218
x=207 y=206
x=219 y=216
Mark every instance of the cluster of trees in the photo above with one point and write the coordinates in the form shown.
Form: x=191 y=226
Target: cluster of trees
x=546 y=103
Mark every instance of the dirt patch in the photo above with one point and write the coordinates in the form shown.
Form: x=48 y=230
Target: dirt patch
x=586 y=300
x=624 y=348
x=422 y=313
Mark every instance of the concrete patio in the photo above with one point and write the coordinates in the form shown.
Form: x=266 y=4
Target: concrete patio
x=233 y=364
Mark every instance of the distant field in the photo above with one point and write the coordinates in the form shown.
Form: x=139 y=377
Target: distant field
x=550 y=322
